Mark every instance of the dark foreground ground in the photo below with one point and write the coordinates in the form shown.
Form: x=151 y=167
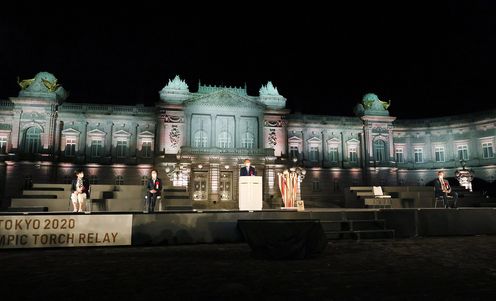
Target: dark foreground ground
x=456 y=268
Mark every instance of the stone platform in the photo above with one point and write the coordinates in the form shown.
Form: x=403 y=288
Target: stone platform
x=209 y=226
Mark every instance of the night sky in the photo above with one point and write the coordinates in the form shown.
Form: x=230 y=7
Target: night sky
x=428 y=60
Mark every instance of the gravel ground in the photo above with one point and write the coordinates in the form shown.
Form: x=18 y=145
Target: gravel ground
x=454 y=268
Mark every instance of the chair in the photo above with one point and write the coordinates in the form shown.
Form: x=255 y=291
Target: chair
x=437 y=200
x=158 y=200
x=441 y=199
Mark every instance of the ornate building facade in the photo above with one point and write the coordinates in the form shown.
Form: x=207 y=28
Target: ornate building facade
x=199 y=140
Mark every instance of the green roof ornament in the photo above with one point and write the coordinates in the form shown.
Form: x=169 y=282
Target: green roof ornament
x=270 y=97
x=371 y=105
x=269 y=90
x=175 y=92
x=43 y=85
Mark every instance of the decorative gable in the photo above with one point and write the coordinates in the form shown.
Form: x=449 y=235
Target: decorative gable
x=122 y=134
x=71 y=132
x=314 y=140
x=146 y=134
x=96 y=133
x=295 y=139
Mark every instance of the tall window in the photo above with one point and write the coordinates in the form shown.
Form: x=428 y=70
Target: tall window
x=487 y=150
x=96 y=148
x=201 y=139
x=121 y=148
x=315 y=185
x=93 y=179
x=248 y=140
x=146 y=149
x=33 y=140
x=314 y=153
x=439 y=153
x=419 y=155
x=379 y=150
x=119 y=180
x=399 y=155
x=462 y=152
x=224 y=140
x=352 y=152
x=293 y=151
x=3 y=145
x=333 y=154
x=70 y=147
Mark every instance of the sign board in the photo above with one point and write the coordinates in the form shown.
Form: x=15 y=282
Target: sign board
x=300 y=206
x=48 y=231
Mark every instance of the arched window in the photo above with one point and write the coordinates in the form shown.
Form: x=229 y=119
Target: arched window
x=32 y=142
x=248 y=140
x=224 y=140
x=201 y=139
x=379 y=150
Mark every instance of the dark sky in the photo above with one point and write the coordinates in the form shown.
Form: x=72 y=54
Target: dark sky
x=428 y=60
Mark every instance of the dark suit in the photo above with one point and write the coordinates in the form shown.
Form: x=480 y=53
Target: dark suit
x=439 y=193
x=151 y=198
x=244 y=172
x=86 y=186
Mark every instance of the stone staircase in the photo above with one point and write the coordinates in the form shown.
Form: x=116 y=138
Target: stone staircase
x=176 y=198
x=356 y=225
x=42 y=197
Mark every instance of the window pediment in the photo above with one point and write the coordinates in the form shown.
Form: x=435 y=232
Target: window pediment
x=122 y=134
x=97 y=133
x=146 y=134
x=295 y=139
x=314 y=140
x=71 y=132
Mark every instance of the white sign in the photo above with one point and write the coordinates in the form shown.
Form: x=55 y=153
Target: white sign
x=46 y=231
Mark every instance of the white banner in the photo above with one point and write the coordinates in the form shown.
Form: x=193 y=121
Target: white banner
x=46 y=231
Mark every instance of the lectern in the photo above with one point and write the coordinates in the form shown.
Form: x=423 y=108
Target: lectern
x=250 y=193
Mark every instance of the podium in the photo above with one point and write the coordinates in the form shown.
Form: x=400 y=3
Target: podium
x=250 y=193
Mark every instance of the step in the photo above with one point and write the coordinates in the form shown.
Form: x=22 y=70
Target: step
x=179 y=208
x=360 y=215
x=175 y=190
x=176 y=202
x=357 y=225
x=63 y=186
x=38 y=196
x=376 y=234
x=59 y=194
x=176 y=197
x=45 y=189
x=354 y=225
x=28 y=209
x=52 y=204
x=176 y=193
x=361 y=234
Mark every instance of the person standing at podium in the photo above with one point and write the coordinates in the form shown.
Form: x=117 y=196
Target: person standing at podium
x=247 y=170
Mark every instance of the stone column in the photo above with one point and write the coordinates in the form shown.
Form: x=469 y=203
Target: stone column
x=84 y=141
x=58 y=133
x=213 y=133
x=391 y=142
x=16 y=130
x=428 y=146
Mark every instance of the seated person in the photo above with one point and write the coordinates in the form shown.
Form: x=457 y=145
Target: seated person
x=80 y=191
x=442 y=189
x=153 y=188
x=247 y=170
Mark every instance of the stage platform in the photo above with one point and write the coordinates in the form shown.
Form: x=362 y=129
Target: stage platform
x=221 y=226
